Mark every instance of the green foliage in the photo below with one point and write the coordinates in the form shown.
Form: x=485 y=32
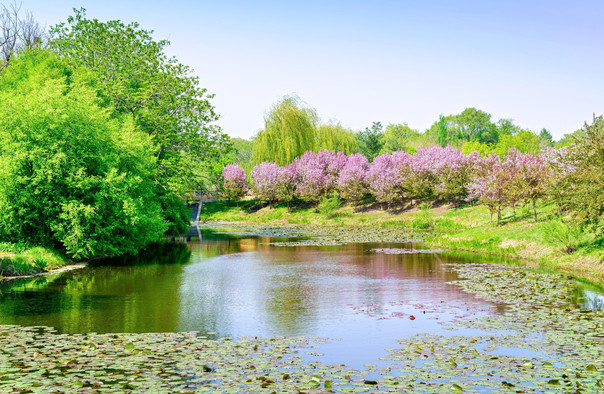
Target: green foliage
x=580 y=189
x=524 y=141
x=565 y=236
x=328 y=205
x=289 y=131
x=334 y=137
x=371 y=140
x=72 y=175
x=474 y=146
x=475 y=125
x=507 y=127
x=423 y=219
x=442 y=138
x=8 y=247
x=545 y=139
x=569 y=139
x=242 y=153
x=397 y=137
x=133 y=76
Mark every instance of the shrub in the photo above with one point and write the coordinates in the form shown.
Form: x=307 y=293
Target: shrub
x=328 y=205
x=71 y=175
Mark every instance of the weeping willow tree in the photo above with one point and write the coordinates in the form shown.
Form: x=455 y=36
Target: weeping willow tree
x=336 y=138
x=289 y=131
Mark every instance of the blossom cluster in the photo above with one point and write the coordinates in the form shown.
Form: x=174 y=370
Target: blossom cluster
x=234 y=183
x=433 y=173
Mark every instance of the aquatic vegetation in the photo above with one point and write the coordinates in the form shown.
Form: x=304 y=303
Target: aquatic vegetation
x=406 y=251
x=542 y=341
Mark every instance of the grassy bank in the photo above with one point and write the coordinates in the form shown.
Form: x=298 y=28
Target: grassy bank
x=21 y=260
x=547 y=242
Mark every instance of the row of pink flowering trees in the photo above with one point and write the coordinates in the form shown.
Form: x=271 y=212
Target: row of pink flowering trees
x=430 y=174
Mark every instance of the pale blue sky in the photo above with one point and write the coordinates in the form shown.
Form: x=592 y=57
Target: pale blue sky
x=539 y=63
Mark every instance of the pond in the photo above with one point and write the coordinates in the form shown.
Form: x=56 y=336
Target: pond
x=365 y=297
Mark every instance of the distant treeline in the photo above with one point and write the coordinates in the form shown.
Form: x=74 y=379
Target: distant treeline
x=572 y=177
x=292 y=128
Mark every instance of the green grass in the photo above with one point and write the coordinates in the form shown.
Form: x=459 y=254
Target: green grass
x=549 y=242
x=20 y=260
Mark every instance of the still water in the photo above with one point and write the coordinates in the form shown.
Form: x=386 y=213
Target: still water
x=233 y=285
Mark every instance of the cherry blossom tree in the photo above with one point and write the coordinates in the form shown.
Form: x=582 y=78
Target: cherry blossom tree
x=352 y=180
x=234 y=183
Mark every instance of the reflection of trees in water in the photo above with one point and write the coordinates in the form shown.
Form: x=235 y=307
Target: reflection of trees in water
x=312 y=281
x=590 y=299
x=277 y=290
x=157 y=253
x=107 y=299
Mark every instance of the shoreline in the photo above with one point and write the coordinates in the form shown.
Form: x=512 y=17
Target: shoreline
x=58 y=270
x=583 y=268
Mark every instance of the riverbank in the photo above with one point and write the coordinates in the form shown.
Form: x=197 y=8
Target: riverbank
x=18 y=260
x=546 y=243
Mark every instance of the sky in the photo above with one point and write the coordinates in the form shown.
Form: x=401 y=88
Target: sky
x=539 y=63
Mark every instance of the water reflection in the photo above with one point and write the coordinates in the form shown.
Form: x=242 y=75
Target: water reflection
x=233 y=285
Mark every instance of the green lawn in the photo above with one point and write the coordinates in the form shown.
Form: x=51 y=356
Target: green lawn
x=547 y=242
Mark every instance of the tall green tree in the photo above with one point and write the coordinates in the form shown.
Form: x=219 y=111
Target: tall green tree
x=133 y=76
x=475 y=125
x=524 y=141
x=289 y=131
x=72 y=175
x=371 y=140
x=579 y=187
x=332 y=136
x=397 y=136
x=545 y=139
x=507 y=127
x=443 y=137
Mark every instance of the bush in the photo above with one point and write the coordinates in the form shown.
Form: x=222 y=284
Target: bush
x=561 y=235
x=578 y=186
x=73 y=177
x=328 y=205
x=423 y=219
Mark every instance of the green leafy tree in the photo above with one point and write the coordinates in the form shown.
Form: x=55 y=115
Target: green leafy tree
x=524 y=141
x=133 y=76
x=289 y=131
x=507 y=127
x=371 y=140
x=72 y=175
x=579 y=185
x=474 y=146
x=334 y=137
x=242 y=153
x=545 y=139
x=569 y=139
x=397 y=136
x=475 y=125
x=443 y=132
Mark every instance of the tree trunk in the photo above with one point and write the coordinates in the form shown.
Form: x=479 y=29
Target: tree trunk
x=535 y=210
x=498 y=215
